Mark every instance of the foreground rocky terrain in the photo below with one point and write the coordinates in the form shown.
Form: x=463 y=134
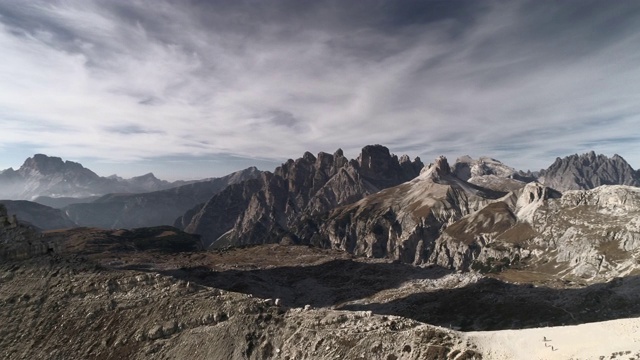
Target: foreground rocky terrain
x=223 y=305
x=129 y=295
x=140 y=314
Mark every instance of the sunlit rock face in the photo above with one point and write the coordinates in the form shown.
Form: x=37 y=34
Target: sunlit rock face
x=441 y=219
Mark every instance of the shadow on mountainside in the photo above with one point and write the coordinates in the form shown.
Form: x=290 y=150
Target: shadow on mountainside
x=323 y=285
x=301 y=275
x=488 y=304
x=491 y=304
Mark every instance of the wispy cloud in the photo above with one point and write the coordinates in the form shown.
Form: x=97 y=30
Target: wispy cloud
x=125 y=81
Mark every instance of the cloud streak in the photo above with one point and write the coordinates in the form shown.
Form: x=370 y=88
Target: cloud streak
x=131 y=81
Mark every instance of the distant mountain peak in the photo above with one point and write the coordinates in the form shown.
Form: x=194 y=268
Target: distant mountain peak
x=42 y=163
x=149 y=175
x=43 y=175
x=466 y=167
x=588 y=171
x=442 y=166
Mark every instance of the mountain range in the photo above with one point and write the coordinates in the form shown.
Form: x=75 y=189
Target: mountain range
x=325 y=257
x=48 y=176
x=265 y=206
x=151 y=208
x=263 y=210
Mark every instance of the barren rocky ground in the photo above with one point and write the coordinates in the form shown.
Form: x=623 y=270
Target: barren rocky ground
x=103 y=296
x=131 y=294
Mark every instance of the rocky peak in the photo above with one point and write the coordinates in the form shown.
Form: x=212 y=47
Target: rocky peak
x=309 y=157
x=303 y=187
x=588 y=171
x=404 y=160
x=466 y=167
x=374 y=159
x=376 y=164
x=441 y=166
x=340 y=159
x=149 y=176
x=43 y=164
x=438 y=170
x=51 y=165
x=324 y=161
x=531 y=197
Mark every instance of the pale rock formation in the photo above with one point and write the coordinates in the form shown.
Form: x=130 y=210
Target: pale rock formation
x=403 y=222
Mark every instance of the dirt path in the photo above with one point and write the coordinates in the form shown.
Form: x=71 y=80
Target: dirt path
x=601 y=340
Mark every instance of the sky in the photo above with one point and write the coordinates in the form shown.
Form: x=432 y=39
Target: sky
x=193 y=88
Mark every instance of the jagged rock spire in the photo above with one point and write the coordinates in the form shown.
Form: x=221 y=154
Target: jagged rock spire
x=441 y=166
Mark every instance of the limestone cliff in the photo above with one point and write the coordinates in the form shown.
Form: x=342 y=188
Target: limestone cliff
x=441 y=219
x=401 y=222
x=264 y=209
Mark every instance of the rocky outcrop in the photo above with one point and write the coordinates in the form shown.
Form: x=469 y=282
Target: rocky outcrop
x=264 y=209
x=43 y=175
x=586 y=234
x=466 y=167
x=40 y=216
x=402 y=222
x=590 y=233
x=494 y=237
x=440 y=219
x=588 y=171
x=17 y=240
x=490 y=173
x=151 y=209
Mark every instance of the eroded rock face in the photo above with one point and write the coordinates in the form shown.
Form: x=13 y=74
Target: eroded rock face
x=587 y=234
x=594 y=232
x=588 y=171
x=443 y=220
x=18 y=241
x=263 y=210
x=402 y=222
x=490 y=222
x=466 y=167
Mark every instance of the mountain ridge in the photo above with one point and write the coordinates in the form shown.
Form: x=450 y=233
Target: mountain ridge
x=43 y=175
x=154 y=208
x=587 y=171
x=262 y=210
